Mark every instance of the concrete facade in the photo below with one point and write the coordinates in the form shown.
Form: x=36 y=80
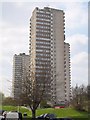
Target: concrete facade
x=20 y=66
x=67 y=71
x=48 y=48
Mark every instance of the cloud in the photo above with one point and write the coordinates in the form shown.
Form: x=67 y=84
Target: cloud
x=77 y=38
x=45 y=1
x=80 y=58
x=79 y=69
x=76 y=15
x=78 y=43
x=14 y=38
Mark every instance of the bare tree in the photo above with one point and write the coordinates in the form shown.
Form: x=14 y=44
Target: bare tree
x=34 y=89
x=80 y=97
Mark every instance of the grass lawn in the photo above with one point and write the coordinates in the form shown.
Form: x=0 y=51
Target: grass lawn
x=61 y=113
x=64 y=112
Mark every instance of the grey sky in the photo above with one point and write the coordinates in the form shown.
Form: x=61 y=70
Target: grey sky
x=14 y=39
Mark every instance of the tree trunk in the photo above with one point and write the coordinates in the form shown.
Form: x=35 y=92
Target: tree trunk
x=33 y=113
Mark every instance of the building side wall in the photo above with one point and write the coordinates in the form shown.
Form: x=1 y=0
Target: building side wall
x=67 y=72
x=33 y=41
x=58 y=36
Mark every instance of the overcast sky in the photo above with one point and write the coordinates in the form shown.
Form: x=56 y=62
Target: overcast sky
x=14 y=37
